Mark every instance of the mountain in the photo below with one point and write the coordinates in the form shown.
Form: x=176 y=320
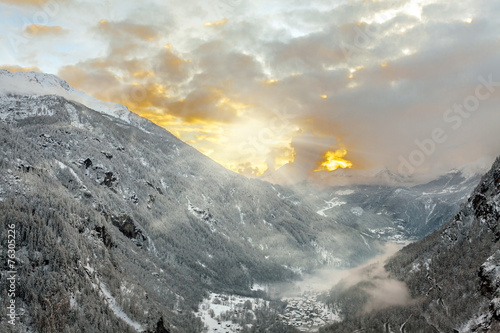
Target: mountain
x=393 y=212
x=452 y=274
x=121 y=227
x=37 y=84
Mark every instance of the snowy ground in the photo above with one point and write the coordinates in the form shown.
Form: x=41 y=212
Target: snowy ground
x=109 y=299
x=231 y=305
x=329 y=205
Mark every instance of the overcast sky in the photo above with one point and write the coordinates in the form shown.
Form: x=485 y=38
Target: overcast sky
x=406 y=85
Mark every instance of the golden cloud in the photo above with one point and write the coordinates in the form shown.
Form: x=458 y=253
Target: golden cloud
x=119 y=29
x=271 y=81
x=24 y=2
x=216 y=23
x=216 y=138
x=145 y=92
x=204 y=104
x=171 y=66
x=16 y=68
x=211 y=115
x=249 y=169
x=332 y=160
x=103 y=84
x=40 y=29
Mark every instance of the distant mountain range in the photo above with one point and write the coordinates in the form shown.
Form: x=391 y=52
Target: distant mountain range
x=291 y=174
x=393 y=213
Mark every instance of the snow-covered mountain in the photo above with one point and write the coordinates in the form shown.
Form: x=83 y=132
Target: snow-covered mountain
x=40 y=84
x=123 y=226
x=393 y=212
x=452 y=274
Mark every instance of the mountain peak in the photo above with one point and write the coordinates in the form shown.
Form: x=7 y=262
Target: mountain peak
x=42 y=80
x=33 y=83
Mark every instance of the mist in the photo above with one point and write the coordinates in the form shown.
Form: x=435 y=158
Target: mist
x=383 y=291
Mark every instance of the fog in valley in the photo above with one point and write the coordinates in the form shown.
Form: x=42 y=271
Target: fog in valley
x=372 y=278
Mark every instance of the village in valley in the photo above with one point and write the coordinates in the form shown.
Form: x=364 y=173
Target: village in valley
x=307 y=313
x=226 y=313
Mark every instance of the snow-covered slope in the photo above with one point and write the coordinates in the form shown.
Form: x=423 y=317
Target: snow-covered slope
x=41 y=84
x=393 y=212
x=452 y=274
x=461 y=261
x=159 y=223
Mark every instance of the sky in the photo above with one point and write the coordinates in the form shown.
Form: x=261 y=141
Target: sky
x=410 y=86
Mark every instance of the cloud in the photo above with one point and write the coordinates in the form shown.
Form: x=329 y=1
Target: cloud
x=380 y=112
x=127 y=29
x=216 y=24
x=24 y=2
x=247 y=169
x=15 y=68
x=171 y=66
x=41 y=30
x=386 y=293
x=203 y=104
x=256 y=77
x=309 y=150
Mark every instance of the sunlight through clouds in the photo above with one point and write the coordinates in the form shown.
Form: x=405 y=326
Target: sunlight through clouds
x=242 y=81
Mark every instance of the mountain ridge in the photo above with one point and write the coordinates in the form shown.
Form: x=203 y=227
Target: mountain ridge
x=35 y=83
x=121 y=222
x=145 y=225
x=452 y=274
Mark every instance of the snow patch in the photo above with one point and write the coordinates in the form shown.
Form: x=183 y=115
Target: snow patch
x=73 y=173
x=257 y=286
x=334 y=202
x=203 y=215
x=72 y=301
x=344 y=192
x=358 y=211
x=73 y=116
x=144 y=162
x=241 y=215
x=117 y=310
x=364 y=240
x=230 y=306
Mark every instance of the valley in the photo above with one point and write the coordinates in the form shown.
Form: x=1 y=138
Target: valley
x=136 y=230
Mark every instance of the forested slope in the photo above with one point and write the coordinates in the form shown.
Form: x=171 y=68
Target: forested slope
x=128 y=225
x=452 y=274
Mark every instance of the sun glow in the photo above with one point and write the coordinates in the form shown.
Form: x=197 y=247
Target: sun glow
x=334 y=160
x=216 y=23
x=271 y=81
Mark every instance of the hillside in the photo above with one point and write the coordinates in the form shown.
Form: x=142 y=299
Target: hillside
x=393 y=212
x=451 y=274
x=120 y=226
